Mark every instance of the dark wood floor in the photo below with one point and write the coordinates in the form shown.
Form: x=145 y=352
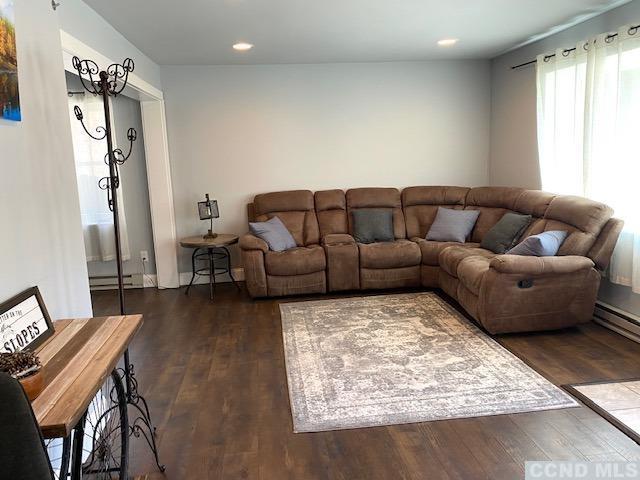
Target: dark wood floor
x=214 y=376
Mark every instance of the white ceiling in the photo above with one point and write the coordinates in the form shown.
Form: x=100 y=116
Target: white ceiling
x=201 y=32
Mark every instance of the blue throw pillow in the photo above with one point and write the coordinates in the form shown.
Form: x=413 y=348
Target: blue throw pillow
x=452 y=225
x=545 y=244
x=274 y=233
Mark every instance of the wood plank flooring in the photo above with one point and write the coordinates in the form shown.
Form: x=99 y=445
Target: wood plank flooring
x=213 y=373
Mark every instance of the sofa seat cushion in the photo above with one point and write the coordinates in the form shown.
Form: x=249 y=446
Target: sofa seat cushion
x=471 y=271
x=430 y=250
x=451 y=257
x=400 y=253
x=295 y=261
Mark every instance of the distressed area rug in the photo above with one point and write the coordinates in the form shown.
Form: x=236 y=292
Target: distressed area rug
x=384 y=360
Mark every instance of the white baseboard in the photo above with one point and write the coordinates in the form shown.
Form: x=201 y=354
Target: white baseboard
x=238 y=275
x=151 y=280
x=618 y=320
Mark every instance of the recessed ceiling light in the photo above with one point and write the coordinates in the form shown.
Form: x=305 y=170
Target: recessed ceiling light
x=447 y=42
x=242 y=46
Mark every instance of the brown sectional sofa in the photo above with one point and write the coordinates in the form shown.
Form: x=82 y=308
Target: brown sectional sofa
x=504 y=293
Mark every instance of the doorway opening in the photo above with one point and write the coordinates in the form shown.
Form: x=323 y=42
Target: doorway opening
x=156 y=150
x=139 y=259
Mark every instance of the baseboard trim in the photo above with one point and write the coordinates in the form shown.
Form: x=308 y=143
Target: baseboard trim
x=151 y=281
x=617 y=320
x=132 y=281
x=238 y=275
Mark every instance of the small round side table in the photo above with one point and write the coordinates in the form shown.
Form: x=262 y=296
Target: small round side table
x=210 y=249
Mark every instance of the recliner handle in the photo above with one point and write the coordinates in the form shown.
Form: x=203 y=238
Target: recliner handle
x=526 y=283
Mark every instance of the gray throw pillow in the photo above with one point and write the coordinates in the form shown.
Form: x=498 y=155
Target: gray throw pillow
x=545 y=244
x=452 y=225
x=504 y=234
x=274 y=233
x=373 y=225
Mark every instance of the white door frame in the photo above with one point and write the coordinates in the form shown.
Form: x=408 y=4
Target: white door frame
x=154 y=127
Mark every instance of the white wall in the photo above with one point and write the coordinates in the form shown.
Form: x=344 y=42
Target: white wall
x=235 y=131
x=514 y=150
x=41 y=241
x=82 y=22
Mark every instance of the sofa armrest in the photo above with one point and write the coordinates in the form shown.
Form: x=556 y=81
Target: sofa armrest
x=523 y=265
x=338 y=239
x=251 y=242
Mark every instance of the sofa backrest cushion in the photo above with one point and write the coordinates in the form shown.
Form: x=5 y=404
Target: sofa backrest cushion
x=534 y=203
x=377 y=198
x=493 y=203
x=591 y=230
x=602 y=249
x=331 y=209
x=420 y=206
x=296 y=210
x=581 y=218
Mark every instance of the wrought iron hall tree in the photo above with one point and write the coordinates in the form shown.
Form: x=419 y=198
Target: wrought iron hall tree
x=105 y=84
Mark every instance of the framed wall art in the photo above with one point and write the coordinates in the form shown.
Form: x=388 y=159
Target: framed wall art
x=9 y=95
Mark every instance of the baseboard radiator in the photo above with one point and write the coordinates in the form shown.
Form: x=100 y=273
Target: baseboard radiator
x=110 y=282
x=619 y=321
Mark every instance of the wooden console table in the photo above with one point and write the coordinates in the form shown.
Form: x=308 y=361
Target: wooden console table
x=77 y=362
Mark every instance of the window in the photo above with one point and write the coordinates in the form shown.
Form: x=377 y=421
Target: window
x=89 y=154
x=588 y=140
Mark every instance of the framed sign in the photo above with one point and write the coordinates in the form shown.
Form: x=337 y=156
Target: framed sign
x=24 y=322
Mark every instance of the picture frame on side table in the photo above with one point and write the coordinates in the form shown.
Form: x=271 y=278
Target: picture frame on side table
x=24 y=322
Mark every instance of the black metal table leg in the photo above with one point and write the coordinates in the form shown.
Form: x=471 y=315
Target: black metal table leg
x=212 y=272
x=59 y=462
x=228 y=255
x=66 y=457
x=76 y=454
x=213 y=267
x=193 y=269
x=140 y=423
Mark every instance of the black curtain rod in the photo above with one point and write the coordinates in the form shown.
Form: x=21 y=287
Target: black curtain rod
x=632 y=31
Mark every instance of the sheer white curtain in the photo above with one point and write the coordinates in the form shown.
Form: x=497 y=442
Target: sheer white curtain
x=561 y=82
x=588 y=136
x=97 y=219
